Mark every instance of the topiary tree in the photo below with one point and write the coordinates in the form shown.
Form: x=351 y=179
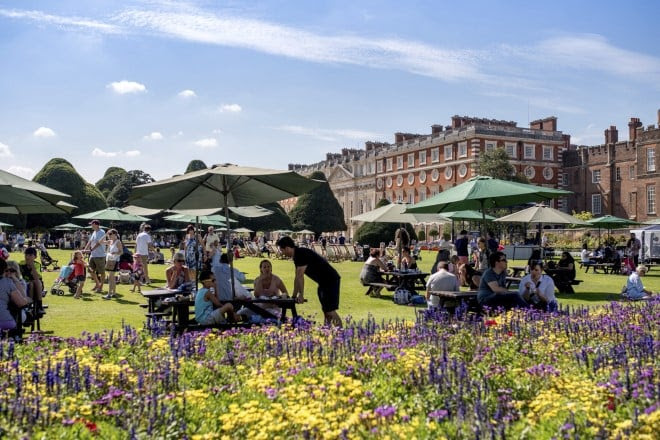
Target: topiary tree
x=318 y=210
x=60 y=175
x=110 y=180
x=195 y=165
x=421 y=235
x=374 y=233
x=119 y=195
x=497 y=164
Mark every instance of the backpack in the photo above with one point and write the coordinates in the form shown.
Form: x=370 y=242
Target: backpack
x=402 y=296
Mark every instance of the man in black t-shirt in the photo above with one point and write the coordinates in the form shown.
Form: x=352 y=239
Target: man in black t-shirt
x=310 y=263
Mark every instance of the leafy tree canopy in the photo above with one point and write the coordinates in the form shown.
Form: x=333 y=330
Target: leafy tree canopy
x=496 y=164
x=318 y=210
x=60 y=175
x=110 y=180
x=373 y=234
x=195 y=165
x=119 y=195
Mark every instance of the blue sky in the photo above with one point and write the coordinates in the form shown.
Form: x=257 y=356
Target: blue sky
x=152 y=85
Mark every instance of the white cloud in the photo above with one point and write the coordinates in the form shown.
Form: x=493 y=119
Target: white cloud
x=43 y=132
x=154 y=136
x=217 y=131
x=5 y=151
x=330 y=135
x=123 y=87
x=231 y=108
x=207 y=143
x=97 y=152
x=187 y=94
x=66 y=22
x=25 y=172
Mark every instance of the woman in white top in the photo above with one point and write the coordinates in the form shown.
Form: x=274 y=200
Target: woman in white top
x=584 y=254
x=538 y=289
x=114 y=249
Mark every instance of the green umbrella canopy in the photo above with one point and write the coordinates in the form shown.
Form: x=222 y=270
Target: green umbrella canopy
x=242 y=230
x=611 y=222
x=396 y=213
x=5 y=224
x=113 y=215
x=214 y=220
x=541 y=214
x=68 y=227
x=466 y=215
x=22 y=196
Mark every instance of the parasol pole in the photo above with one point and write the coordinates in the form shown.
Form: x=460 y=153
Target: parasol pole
x=197 y=256
x=225 y=193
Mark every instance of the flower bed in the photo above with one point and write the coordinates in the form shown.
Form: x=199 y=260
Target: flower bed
x=587 y=374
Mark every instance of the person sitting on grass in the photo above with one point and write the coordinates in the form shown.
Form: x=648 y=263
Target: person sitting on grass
x=634 y=288
x=538 y=289
x=158 y=257
x=79 y=268
x=208 y=309
x=492 y=289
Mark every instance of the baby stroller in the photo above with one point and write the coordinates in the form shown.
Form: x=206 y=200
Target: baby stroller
x=125 y=268
x=64 y=278
x=46 y=260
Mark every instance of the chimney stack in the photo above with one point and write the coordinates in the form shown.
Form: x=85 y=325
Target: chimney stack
x=398 y=137
x=611 y=135
x=435 y=129
x=632 y=128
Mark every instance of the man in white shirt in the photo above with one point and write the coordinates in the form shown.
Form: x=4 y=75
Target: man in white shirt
x=211 y=237
x=440 y=280
x=143 y=244
x=95 y=246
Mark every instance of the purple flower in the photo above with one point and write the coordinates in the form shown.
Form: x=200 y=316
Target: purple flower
x=385 y=411
x=438 y=414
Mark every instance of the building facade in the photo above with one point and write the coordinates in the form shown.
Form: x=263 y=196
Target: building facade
x=619 y=178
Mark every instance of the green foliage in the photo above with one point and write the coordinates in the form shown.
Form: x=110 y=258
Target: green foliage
x=584 y=215
x=110 y=180
x=497 y=164
x=421 y=236
x=278 y=220
x=434 y=233
x=195 y=165
x=318 y=210
x=60 y=175
x=119 y=195
x=374 y=233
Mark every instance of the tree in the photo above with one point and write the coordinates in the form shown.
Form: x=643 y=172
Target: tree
x=110 y=180
x=318 y=210
x=496 y=164
x=373 y=234
x=119 y=195
x=277 y=220
x=60 y=175
x=195 y=165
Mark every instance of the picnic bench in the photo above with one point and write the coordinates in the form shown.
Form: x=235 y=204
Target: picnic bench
x=605 y=267
x=410 y=279
x=517 y=271
x=513 y=280
x=450 y=299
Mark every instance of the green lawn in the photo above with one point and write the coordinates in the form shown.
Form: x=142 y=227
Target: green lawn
x=69 y=317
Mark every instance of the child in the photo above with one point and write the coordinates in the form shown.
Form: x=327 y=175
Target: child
x=206 y=299
x=79 y=268
x=137 y=273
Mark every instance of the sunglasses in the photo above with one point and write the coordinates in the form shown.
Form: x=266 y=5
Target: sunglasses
x=180 y=261
x=503 y=259
x=10 y=270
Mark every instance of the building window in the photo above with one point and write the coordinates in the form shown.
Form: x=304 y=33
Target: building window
x=388 y=164
x=595 y=176
x=490 y=146
x=388 y=181
x=399 y=180
x=650 y=199
x=448 y=173
x=462 y=170
x=650 y=160
x=422 y=194
x=422 y=157
x=529 y=172
x=618 y=174
x=564 y=179
x=530 y=151
x=595 y=204
x=379 y=183
x=411 y=160
x=631 y=171
x=379 y=166
x=548 y=173
x=435 y=155
x=462 y=149
x=435 y=174
x=422 y=176
x=411 y=179
x=449 y=152
x=399 y=198
x=411 y=198
x=399 y=162
x=510 y=149
x=547 y=152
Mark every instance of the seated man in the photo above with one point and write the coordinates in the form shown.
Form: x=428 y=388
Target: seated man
x=440 y=280
x=492 y=288
x=634 y=287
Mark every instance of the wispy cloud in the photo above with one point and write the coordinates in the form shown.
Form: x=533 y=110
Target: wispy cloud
x=231 y=108
x=124 y=87
x=5 y=151
x=329 y=135
x=58 y=20
x=43 y=132
x=25 y=172
x=154 y=136
x=538 y=101
x=97 y=152
x=187 y=94
x=207 y=143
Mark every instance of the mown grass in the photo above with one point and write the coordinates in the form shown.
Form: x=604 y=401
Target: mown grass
x=67 y=316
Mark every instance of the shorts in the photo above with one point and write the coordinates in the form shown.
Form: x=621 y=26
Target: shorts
x=97 y=265
x=80 y=278
x=145 y=260
x=328 y=294
x=215 y=317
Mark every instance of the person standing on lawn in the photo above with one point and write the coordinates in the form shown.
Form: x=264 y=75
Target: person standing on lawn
x=95 y=246
x=310 y=263
x=144 y=244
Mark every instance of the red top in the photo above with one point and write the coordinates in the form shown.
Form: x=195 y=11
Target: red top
x=78 y=269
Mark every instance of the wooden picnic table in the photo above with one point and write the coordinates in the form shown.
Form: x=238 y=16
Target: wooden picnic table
x=156 y=295
x=516 y=271
x=449 y=299
x=410 y=279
